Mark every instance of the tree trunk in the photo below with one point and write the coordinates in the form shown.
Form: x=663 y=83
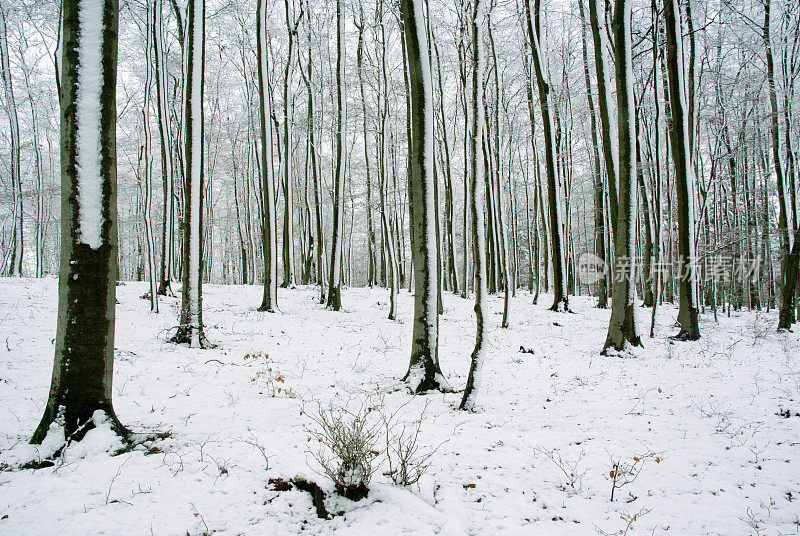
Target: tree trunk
x=623 y=331
x=423 y=370
x=288 y=118
x=610 y=156
x=191 y=321
x=787 y=314
x=14 y=267
x=269 y=224
x=599 y=230
x=148 y=162
x=165 y=136
x=80 y=392
x=684 y=178
x=372 y=272
x=334 y=283
x=312 y=146
x=476 y=212
x=560 y=297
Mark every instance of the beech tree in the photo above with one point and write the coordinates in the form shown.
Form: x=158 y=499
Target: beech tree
x=12 y=265
x=269 y=224
x=560 y=297
x=423 y=373
x=167 y=161
x=80 y=391
x=293 y=18
x=476 y=178
x=147 y=156
x=335 y=283
x=191 y=329
x=623 y=330
x=684 y=177
x=371 y=273
x=599 y=199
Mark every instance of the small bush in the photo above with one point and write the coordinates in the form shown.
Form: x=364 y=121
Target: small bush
x=346 y=447
x=406 y=458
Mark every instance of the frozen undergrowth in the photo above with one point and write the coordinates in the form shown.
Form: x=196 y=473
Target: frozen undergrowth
x=708 y=410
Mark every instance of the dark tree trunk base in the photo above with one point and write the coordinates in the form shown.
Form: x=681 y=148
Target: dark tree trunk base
x=335 y=299
x=785 y=319
x=164 y=289
x=76 y=423
x=560 y=306
x=624 y=338
x=76 y=432
x=685 y=335
x=184 y=336
x=429 y=383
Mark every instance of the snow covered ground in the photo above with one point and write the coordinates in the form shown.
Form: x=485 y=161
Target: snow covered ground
x=714 y=454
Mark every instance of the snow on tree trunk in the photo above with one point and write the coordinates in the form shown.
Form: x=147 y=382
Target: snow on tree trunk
x=312 y=149
x=191 y=321
x=334 y=283
x=288 y=109
x=610 y=155
x=476 y=185
x=165 y=136
x=270 y=224
x=371 y=273
x=423 y=371
x=80 y=391
x=560 y=298
x=623 y=330
x=16 y=252
x=599 y=230
x=148 y=162
x=684 y=177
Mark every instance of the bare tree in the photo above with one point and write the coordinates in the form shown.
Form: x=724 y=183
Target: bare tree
x=371 y=273
x=269 y=232
x=560 y=297
x=165 y=136
x=423 y=373
x=80 y=390
x=623 y=330
x=335 y=283
x=476 y=179
x=12 y=261
x=191 y=318
x=147 y=155
x=599 y=203
x=293 y=18
x=684 y=177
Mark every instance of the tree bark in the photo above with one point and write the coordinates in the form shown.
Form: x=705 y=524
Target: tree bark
x=80 y=391
x=14 y=264
x=684 y=177
x=423 y=373
x=560 y=297
x=165 y=136
x=599 y=228
x=148 y=161
x=191 y=321
x=623 y=331
x=476 y=212
x=371 y=273
x=269 y=224
x=334 y=283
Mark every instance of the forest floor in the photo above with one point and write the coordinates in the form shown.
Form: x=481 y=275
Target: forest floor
x=707 y=421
